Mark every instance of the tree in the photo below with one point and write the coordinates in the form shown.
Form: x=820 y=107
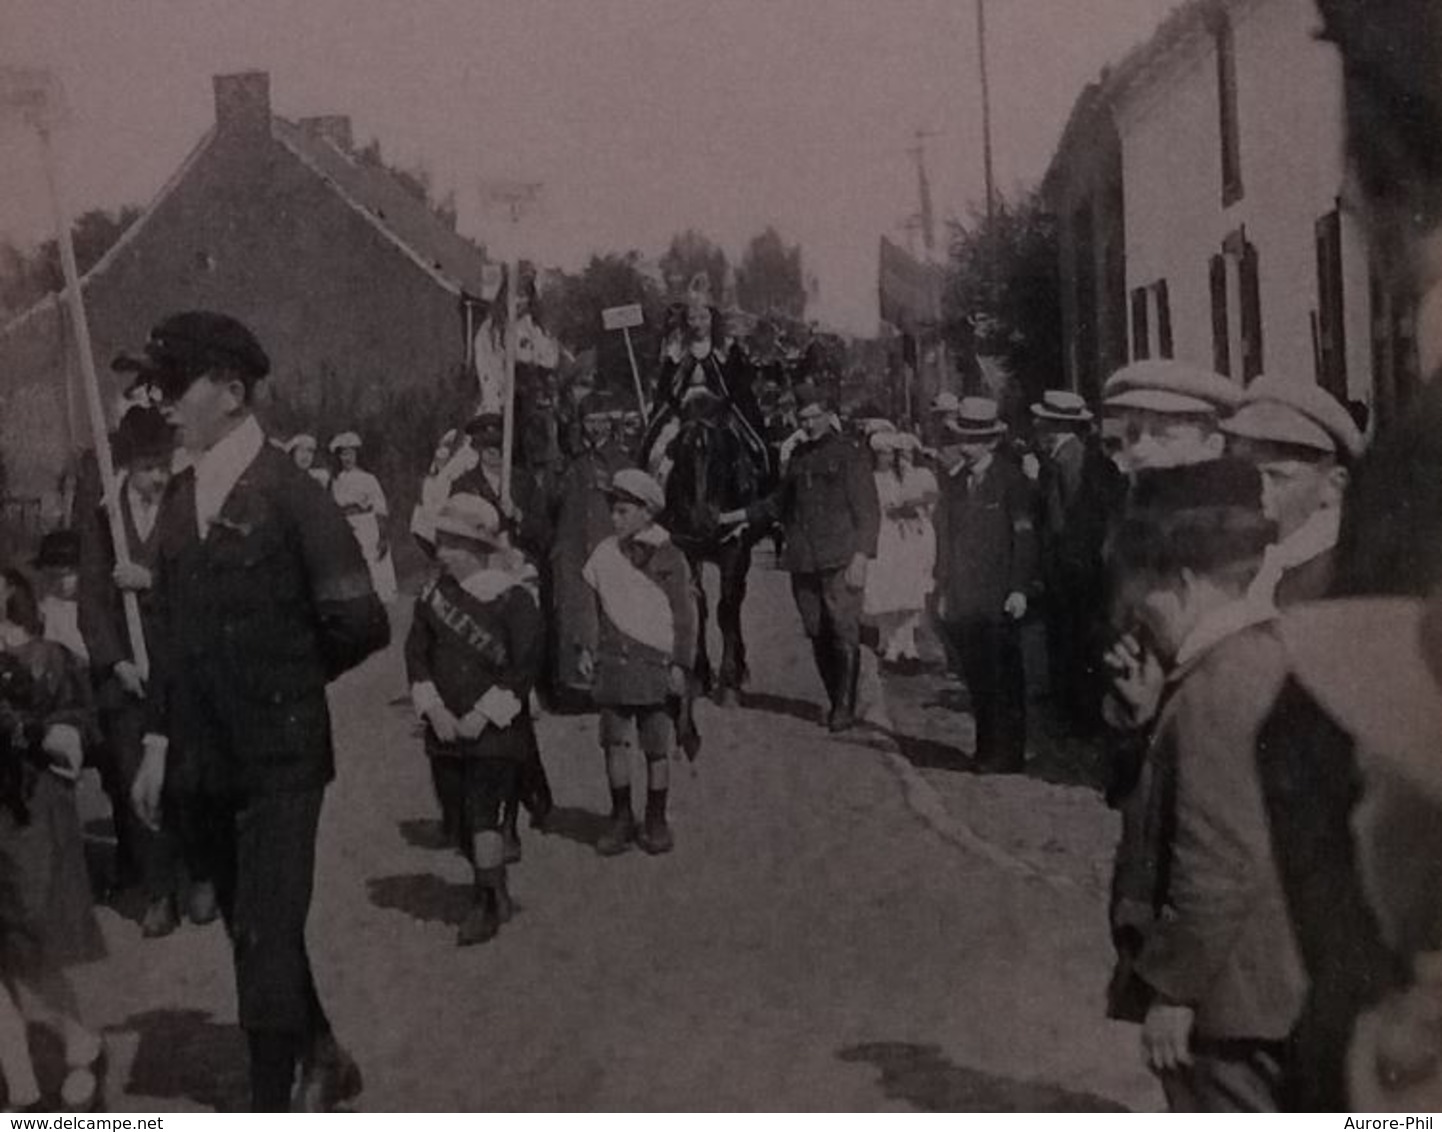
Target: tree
x=27 y=277
x=770 y=280
x=573 y=306
x=690 y=254
x=1003 y=292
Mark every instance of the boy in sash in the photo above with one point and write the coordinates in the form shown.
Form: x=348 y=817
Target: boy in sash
x=475 y=649
x=638 y=648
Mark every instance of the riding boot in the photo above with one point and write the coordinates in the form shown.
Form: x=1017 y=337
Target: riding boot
x=848 y=672
x=826 y=666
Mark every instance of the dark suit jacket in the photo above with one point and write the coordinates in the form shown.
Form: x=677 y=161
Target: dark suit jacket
x=255 y=620
x=986 y=544
x=1307 y=581
x=1222 y=941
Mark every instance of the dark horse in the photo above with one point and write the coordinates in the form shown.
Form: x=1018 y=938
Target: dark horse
x=711 y=462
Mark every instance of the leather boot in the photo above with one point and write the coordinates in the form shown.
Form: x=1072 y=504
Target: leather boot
x=484 y=919
x=826 y=666
x=848 y=671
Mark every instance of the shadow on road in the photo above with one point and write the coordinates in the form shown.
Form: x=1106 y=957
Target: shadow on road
x=804 y=710
x=421 y=896
x=581 y=826
x=923 y=1077
x=183 y=1055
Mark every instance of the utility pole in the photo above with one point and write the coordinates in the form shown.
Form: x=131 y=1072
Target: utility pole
x=985 y=110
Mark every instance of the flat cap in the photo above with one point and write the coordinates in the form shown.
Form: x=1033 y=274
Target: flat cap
x=1227 y=482
x=636 y=486
x=1298 y=414
x=184 y=346
x=809 y=397
x=488 y=428
x=1166 y=386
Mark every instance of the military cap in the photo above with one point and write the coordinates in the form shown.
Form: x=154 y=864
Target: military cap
x=144 y=433
x=1166 y=386
x=1297 y=414
x=187 y=345
x=1227 y=482
x=636 y=486
x=809 y=400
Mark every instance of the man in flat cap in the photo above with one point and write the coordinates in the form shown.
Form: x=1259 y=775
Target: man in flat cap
x=262 y=598
x=1169 y=413
x=826 y=503
x=1302 y=441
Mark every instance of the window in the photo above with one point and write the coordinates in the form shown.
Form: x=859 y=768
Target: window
x=1227 y=109
x=1221 y=333
x=1141 y=332
x=1331 y=317
x=1250 y=286
x=1164 y=319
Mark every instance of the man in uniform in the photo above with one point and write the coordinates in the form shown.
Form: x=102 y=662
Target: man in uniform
x=1303 y=441
x=263 y=598
x=986 y=562
x=826 y=503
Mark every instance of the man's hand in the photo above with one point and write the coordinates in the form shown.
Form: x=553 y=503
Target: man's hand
x=856 y=572
x=130 y=678
x=149 y=784
x=444 y=724
x=471 y=725
x=586 y=665
x=132 y=576
x=1167 y=1036
x=677 y=681
x=63 y=742
x=1015 y=605
x=1030 y=466
x=1137 y=679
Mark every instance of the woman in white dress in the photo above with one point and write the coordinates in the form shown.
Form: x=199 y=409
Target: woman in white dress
x=890 y=581
x=359 y=496
x=919 y=492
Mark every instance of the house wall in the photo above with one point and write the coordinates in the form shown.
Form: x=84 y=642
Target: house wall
x=251 y=231
x=1289 y=90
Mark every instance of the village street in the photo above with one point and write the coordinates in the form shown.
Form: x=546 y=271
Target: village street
x=841 y=926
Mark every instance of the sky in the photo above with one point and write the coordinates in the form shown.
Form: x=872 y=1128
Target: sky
x=639 y=117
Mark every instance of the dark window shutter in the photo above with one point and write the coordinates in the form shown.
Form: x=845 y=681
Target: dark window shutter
x=1221 y=346
x=1141 y=331
x=1251 y=296
x=1164 y=320
x=1331 y=308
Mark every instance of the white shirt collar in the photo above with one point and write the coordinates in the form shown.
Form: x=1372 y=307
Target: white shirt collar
x=1224 y=621
x=1316 y=536
x=219 y=468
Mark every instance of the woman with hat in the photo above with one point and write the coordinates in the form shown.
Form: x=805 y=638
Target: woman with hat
x=361 y=500
x=474 y=652
x=894 y=596
x=302 y=448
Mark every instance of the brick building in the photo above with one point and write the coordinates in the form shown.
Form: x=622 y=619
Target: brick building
x=336 y=265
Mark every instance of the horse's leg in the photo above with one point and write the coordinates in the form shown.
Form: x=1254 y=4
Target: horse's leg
x=735 y=562
x=703 y=657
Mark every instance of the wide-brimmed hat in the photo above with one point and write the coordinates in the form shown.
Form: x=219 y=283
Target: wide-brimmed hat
x=946 y=402
x=635 y=486
x=343 y=440
x=1296 y=414
x=885 y=440
x=59 y=550
x=1162 y=385
x=184 y=346
x=977 y=418
x=144 y=434
x=300 y=440
x=1061 y=405
x=470 y=517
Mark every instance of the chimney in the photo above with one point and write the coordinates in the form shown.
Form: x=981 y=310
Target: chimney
x=242 y=102
x=335 y=128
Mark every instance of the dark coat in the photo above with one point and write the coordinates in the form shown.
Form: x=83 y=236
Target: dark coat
x=986 y=547
x=466 y=646
x=1217 y=936
x=1307 y=581
x=827 y=505
x=255 y=620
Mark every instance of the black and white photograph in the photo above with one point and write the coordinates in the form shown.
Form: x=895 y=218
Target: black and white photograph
x=643 y=556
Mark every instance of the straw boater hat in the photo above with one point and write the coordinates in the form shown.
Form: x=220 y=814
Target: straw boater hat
x=344 y=440
x=470 y=517
x=1061 y=405
x=1296 y=414
x=946 y=402
x=978 y=418
x=635 y=486
x=1166 y=386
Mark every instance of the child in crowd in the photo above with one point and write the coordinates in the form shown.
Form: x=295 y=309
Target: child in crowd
x=638 y=649
x=475 y=650
x=47 y=915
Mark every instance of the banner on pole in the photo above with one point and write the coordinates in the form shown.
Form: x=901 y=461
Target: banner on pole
x=623 y=318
